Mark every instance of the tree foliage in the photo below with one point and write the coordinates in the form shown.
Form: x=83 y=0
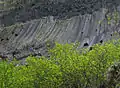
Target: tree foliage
x=67 y=67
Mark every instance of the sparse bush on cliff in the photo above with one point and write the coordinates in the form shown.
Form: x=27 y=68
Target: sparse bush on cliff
x=67 y=67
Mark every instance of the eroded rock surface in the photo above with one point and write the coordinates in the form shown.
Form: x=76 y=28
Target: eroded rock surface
x=23 y=39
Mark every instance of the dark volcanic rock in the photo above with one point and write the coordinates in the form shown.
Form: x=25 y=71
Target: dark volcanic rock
x=83 y=21
x=59 y=9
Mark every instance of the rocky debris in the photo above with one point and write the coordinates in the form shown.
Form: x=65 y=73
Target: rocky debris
x=29 y=50
x=3 y=57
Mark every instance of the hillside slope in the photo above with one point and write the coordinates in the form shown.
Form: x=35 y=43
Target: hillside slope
x=29 y=37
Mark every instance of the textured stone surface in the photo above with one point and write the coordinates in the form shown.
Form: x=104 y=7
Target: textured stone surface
x=60 y=9
x=31 y=37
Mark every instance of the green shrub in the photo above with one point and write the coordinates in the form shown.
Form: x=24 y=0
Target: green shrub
x=47 y=74
x=38 y=73
x=12 y=76
x=67 y=67
x=87 y=69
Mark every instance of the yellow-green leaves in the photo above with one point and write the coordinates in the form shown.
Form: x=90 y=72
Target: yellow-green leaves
x=116 y=17
x=67 y=67
x=88 y=68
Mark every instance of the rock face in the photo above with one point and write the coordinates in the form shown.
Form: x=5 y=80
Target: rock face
x=60 y=9
x=31 y=37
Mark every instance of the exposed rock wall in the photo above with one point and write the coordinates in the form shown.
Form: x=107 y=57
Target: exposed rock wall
x=83 y=28
x=23 y=39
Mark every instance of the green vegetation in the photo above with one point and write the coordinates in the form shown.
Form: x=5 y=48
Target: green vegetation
x=67 y=67
x=111 y=18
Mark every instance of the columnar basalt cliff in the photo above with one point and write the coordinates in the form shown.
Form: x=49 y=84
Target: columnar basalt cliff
x=27 y=30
